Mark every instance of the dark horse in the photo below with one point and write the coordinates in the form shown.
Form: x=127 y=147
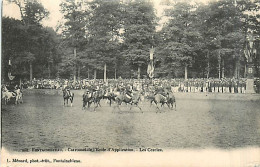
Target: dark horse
x=109 y=96
x=87 y=99
x=168 y=99
x=134 y=100
x=67 y=95
x=171 y=100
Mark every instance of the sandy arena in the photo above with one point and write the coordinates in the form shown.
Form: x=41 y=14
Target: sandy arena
x=201 y=121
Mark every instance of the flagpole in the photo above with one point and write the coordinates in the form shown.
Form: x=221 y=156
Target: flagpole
x=151 y=66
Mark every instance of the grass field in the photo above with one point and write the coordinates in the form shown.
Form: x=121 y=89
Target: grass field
x=201 y=121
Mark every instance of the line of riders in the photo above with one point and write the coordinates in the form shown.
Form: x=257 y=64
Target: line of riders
x=120 y=95
x=12 y=94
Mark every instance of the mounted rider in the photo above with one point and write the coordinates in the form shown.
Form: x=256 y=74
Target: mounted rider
x=66 y=88
x=129 y=91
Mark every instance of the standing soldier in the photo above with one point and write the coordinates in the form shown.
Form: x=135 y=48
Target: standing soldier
x=239 y=86
x=186 y=85
x=196 y=85
x=228 y=85
x=207 y=85
x=243 y=86
x=204 y=84
x=233 y=85
x=236 y=86
x=201 y=85
x=191 y=85
x=212 y=85
x=220 y=86
x=223 y=85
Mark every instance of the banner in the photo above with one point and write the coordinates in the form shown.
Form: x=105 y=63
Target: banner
x=9 y=71
x=150 y=70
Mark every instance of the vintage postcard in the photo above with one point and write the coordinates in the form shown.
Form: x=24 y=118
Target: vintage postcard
x=172 y=83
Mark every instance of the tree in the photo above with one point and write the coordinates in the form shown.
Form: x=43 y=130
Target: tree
x=139 y=30
x=180 y=39
x=32 y=13
x=74 y=32
x=104 y=33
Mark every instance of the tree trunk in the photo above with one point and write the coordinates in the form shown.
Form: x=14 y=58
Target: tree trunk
x=208 y=68
x=105 y=72
x=88 y=73
x=139 y=71
x=223 y=69
x=186 y=71
x=245 y=71
x=95 y=74
x=49 y=70
x=115 y=73
x=79 y=72
x=20 y=84
x=238 y=70
x=219 y=68
x=31 y=72
x=75 y=67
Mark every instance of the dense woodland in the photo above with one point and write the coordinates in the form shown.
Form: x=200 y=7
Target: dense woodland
x=203 y=40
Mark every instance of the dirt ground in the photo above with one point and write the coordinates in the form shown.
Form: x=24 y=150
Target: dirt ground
x=201 y=121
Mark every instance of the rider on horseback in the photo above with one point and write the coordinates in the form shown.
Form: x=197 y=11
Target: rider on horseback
x=67 y=89
x=129 y=92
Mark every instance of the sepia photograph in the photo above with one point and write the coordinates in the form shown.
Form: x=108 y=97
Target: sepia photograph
x=145 y=83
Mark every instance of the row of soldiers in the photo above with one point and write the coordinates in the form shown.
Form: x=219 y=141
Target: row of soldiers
x=177 y=85
x=225 y=85
x=207 y=85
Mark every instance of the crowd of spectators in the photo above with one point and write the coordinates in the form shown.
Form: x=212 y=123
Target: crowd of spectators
x=225 y=85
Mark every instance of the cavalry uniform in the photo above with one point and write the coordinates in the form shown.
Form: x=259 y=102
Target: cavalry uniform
x=232 y=86
x=220 y=87
x=239 y=87
x=243 y=86
x=213 y=86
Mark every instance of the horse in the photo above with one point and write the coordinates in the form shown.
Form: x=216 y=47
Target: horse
x=124 y=97
x=167 y=98
x=7 y=96
x=87 y=99
x=109 y=96
x=171 y=100
x=156 y=99
x=67 y=95
x=97 y=96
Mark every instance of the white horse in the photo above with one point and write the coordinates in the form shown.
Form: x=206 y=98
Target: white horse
x=19 y=96
x=6 y=96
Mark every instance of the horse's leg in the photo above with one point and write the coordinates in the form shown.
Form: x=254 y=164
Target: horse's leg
x=88 y=104
x=119 y=103
x=83 y=106
x=156 y=106
x=64 y=102
x=139 y=107
x=131 y=106
x=99 y=102
x=110 y=102
x=151 y=103
x=71 y=101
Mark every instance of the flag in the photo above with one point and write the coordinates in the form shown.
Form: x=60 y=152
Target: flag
x=151 y=53
x=9 y=71
x=150 y=70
